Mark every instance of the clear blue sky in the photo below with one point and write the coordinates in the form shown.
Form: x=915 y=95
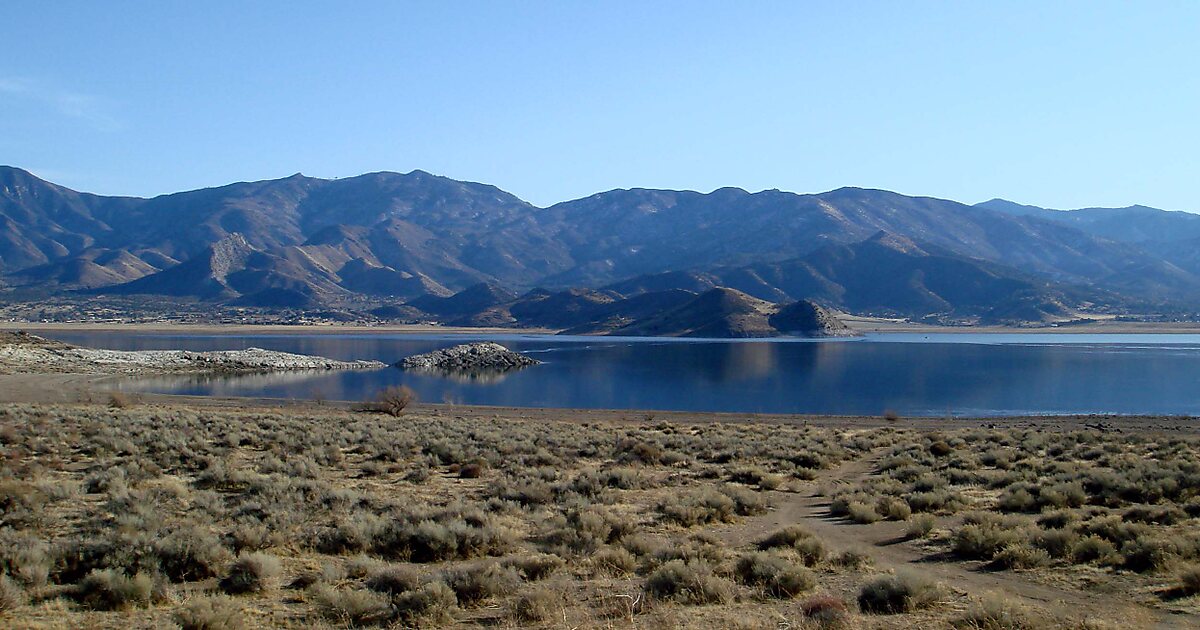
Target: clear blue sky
x=1060 y=104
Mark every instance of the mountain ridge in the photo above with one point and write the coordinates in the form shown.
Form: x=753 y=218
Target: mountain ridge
x=405 y=235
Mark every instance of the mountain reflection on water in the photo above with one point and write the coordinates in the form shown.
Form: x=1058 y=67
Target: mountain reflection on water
x=958 y=374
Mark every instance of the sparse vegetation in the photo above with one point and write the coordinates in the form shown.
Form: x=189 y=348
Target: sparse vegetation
x=208 y=519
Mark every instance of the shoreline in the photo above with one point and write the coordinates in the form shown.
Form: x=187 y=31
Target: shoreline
x=859 y=325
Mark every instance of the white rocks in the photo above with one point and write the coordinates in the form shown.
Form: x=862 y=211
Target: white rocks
x=33 y=354
x=469 y=357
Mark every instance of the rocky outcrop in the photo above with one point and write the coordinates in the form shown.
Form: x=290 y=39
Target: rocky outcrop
x=469 y=357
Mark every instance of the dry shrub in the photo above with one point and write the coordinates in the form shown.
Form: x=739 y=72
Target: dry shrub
x=826 y=611
x=534 y=567
x=920 y=527
x=893 y=508
x=1189 y=580
x=1021 y=556
x=785 y=537
x=118 y=400
x=773 y=573
x=900 y=593
x=251 y=573
x=391 y=401
x=210 y=613
x=473 y=584
x=351 y=607
x=688 y=583
x=861 y=513
x=11 y=594
x=112 y=590
x=393 y=580
x=432 y=601
x=994 y=612
x=537 y=604
x=614 y=561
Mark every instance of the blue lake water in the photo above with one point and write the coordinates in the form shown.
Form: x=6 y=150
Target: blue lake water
x=913 y=374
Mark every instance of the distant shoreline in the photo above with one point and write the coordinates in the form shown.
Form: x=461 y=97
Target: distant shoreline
x=857 y=324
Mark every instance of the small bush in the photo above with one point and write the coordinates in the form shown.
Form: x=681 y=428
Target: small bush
x=11 y=594
x=774 y=574
x=901 y=593
x=811 y=551
x=351 y=607
x=1094 y=549
x=893 y=509
x=688 y=583
x=827 y=611
x=1059 y=543
x=210 y=613
x=920 y=527
x=984 y=540
x=785 y=537
x=251 y=573
x=393 y=580
x=537 y=604
x=112 y=590
x=861 y=513
x=1189 y=580
x=1021 y=556
x=433 y=600
x=535 y=567
x=851 y=559
x=472 y=585
x=614 y=561
x=1147 y=554
x=996 y=613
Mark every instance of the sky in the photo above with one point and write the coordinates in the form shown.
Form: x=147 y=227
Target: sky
x=1058 y=104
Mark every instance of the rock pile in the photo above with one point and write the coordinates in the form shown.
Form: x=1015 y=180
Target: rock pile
x=469 y=357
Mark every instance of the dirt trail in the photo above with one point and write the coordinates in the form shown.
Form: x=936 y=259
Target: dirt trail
x=883 y=541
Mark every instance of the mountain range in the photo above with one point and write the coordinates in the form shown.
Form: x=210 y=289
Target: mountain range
x=404 y=245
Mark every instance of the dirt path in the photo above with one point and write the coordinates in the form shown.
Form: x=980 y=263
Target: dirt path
x=883 y=541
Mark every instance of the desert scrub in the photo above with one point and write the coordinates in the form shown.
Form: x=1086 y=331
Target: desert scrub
x=113 y=590
x=11 y=594
x=536 y=566
x=995 y=612
x=1189 y=580
x=773 y=574
x=688 y=583
x=210 y=613
x=920 y=526
x=473 y=584
x=900 y=593
x=351 y=607
x=699 y=508
x=536 y=604
x=251 y=573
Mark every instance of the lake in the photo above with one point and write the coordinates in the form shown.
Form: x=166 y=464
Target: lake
x=959 y=374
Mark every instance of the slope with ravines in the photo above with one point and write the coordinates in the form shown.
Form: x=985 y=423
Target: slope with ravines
x=400 y=235
x=1172 y=235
